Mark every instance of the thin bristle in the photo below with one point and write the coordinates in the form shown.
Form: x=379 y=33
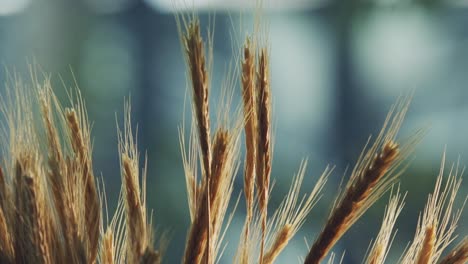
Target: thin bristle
x=379 y=250
x=459 y=255
x=280 y=241
x=293 y=211
x=189 y=162
x=80 y=144
x=427 y=249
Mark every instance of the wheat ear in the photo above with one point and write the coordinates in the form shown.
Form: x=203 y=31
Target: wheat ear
x=199 y=76
x=79 y=133
x=136 y=228
x=7 y=252
x=379 y=249
x=371 y=176
x=196 y=60
x=4 y=191
x=435 y=230
x=263 y=164
x=292 y=212
x=6 y=241
x=108 y=254
x=250 y=108
x=279 y=243
x=459 y=255
x=31 y=234
x=57 y=169
x=138 y=235
x=250 y=127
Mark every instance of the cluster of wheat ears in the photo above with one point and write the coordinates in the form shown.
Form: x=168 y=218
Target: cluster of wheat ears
x=52 y=209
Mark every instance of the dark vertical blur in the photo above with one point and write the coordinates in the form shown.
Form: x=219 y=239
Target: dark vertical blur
x=337 y=66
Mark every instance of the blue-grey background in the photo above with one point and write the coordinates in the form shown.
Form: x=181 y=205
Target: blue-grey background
x=337 y=66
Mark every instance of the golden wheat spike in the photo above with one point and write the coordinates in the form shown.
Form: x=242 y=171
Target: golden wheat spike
x=428 y=246
x=136 y=226
x=80 y=142
x=436 y=229
x=372 y=175
x=199 y=76
x=7 y=252
x=108 y=254
x=263 y=165
x=459 y=255
x=250 y=110
x=138 y=231
x=279 y=243
x=250 y=116
x=198 y=234
x=31 y=234
x=379 y=249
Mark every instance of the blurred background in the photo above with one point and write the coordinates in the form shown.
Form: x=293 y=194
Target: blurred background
x=337 y=66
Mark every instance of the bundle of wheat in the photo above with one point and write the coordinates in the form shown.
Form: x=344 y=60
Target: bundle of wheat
x=51 y=209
